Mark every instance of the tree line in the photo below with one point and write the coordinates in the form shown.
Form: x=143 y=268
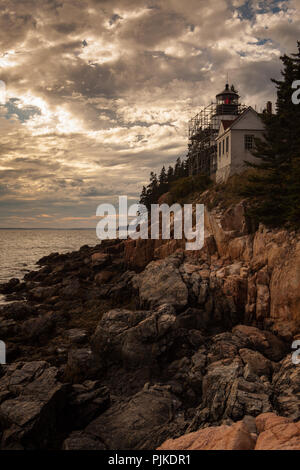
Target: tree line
x=161 y=184
x=273 y=190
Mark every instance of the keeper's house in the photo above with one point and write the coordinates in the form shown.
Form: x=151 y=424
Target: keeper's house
x=222 y=136
x=235 y=143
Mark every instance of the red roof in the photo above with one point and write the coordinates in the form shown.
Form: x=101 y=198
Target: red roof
x=227 y=124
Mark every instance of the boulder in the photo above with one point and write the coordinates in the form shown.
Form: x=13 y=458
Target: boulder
x=42 y=293
x=161 y=283
x=108 y=338
x=32 y=399
x=270 y=432
x=136 y=338
x=277 y=433
x=223 y=346
x=136 y=423
x=217 y=384
x=286 y=386
x=76 y=335
x=263 y=341
x=103 y=277
x=121 y=289
x=39 y=327
x=8 y=328
x=100 y=259
x=17 y=311
x=10 y=286
x=235 y=437
x=71 y=289
x=79 y=440
x=248 y=397
x=230 y=391
x=81 y=365
x=256 y=362
x=85 y=403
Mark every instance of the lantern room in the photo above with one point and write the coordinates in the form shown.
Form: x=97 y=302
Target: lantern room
x=228 y=101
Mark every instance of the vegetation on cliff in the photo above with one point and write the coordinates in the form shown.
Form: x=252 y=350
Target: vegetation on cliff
x=274 y=189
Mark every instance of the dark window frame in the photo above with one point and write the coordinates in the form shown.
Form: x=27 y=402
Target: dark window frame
x=249 y=141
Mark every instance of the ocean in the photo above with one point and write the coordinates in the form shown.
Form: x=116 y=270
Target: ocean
x=21 y=249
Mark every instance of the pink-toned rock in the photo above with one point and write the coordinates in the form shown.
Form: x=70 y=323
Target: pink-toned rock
x=285 y=288
x=257 y=363
x=262 y=302
x=138 y=253
x=167 y=248
x=255 y=336
x=235 y=287
x=236 y=437
x=274 y=433
x=277 y=433
x=240 y=248
x=234 y=219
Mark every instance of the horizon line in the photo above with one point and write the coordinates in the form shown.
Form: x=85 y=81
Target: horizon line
x=47 y=228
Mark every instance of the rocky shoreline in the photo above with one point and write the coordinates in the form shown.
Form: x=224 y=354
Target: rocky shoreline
x=130 y=344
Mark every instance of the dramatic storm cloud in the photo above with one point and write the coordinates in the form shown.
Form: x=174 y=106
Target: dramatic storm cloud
x=99 y=92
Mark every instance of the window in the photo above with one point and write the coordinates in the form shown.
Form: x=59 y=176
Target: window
x=249 y=142
x=227 y=144
x=220 y=150
x=223 y=146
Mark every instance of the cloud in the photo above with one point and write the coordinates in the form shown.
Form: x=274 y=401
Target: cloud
x=99 y=92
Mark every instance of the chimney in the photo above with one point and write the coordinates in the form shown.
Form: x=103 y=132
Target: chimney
x=269 y=107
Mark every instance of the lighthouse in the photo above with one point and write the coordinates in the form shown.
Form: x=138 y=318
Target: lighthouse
x=204 y=129
x=227 y=106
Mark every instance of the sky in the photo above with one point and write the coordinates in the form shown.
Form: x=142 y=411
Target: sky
x=99 y=92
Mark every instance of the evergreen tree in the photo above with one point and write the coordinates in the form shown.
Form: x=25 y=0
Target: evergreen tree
x=274 y=188
x=185 y=168
x=178 y=168
x=152 y=189
x=143 y=197
x=163 y=176
x=170 y=175
x=163 y=181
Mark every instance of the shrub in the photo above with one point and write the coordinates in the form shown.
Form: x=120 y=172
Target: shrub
x=191 y=184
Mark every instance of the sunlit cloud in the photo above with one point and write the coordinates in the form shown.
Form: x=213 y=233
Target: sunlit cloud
x=98 y=94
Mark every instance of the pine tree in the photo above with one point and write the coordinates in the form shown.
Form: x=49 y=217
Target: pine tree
x=294 y=194
x=178 y=168
x=152 y=189
x=163 y=176
x=273 y=188
x=185 y=168
x=170 y=175
x=163 y=181
x=143 y=197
